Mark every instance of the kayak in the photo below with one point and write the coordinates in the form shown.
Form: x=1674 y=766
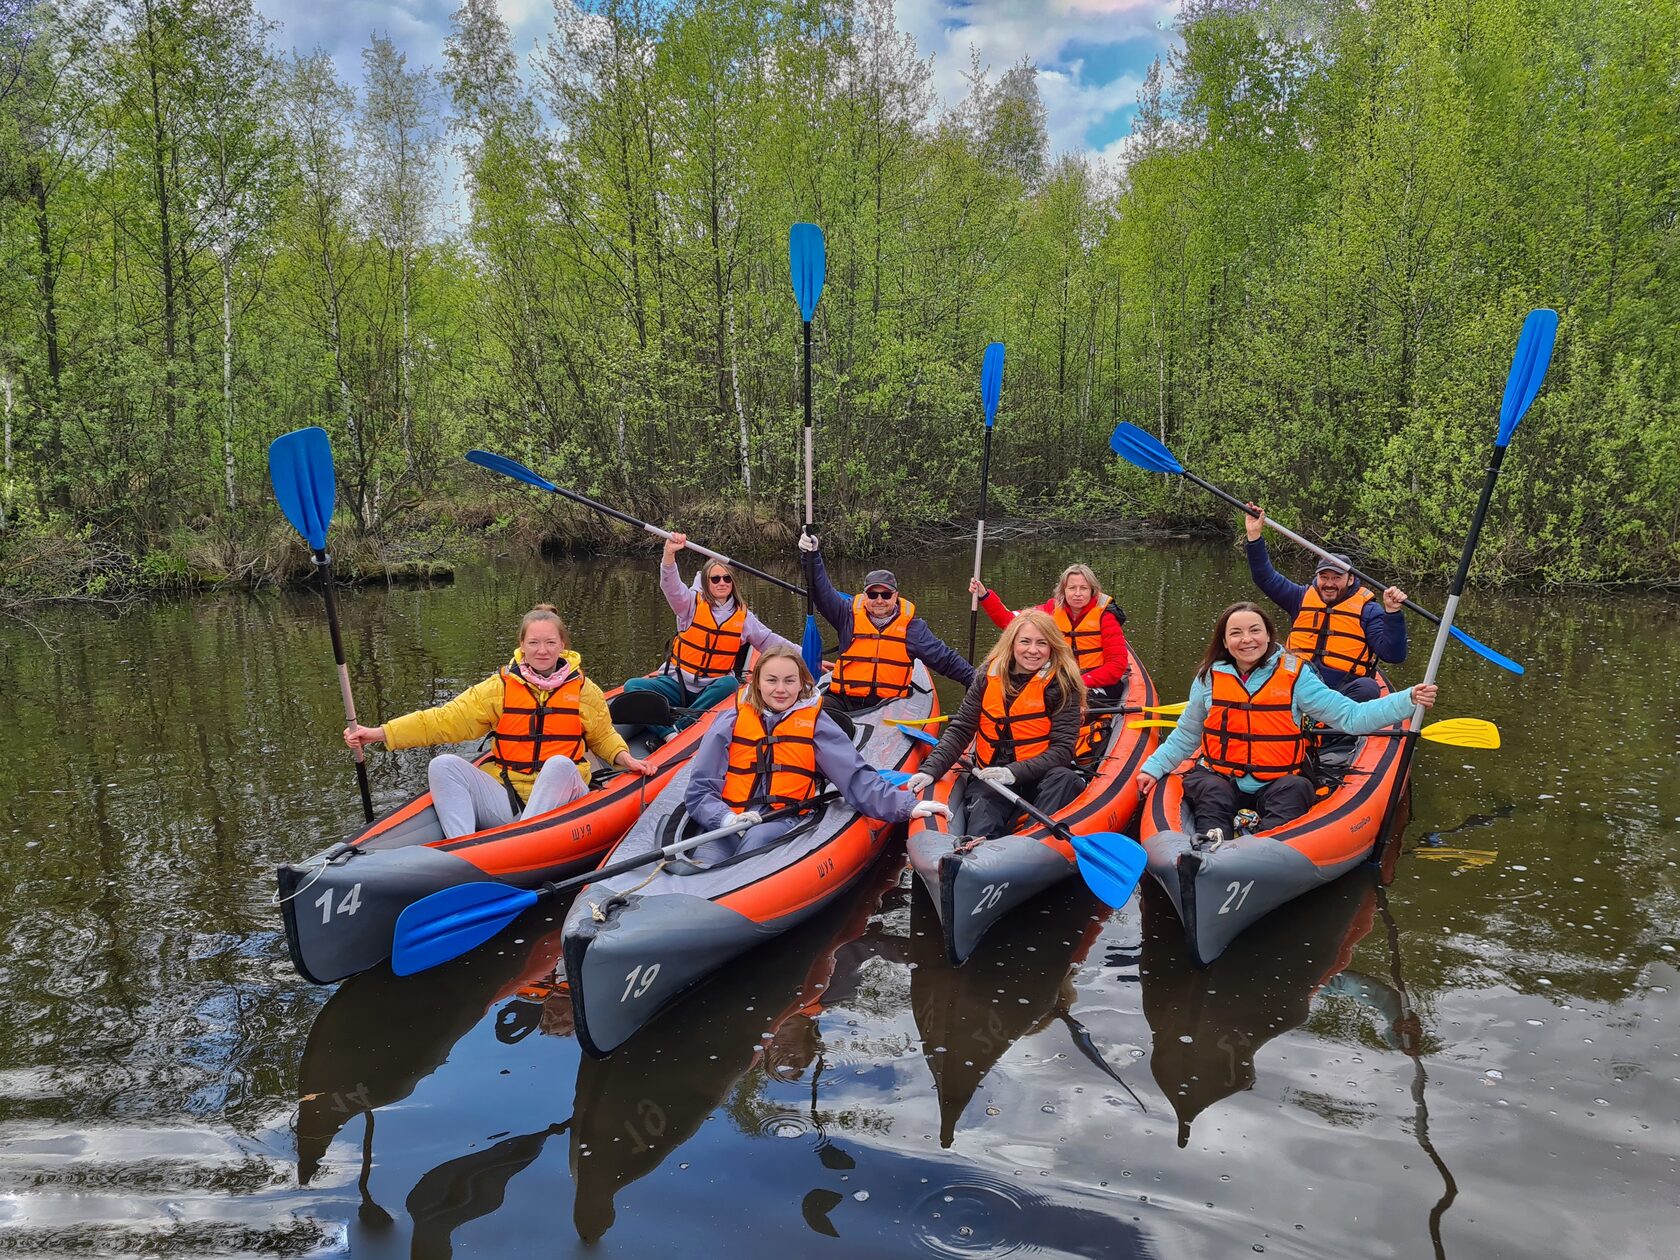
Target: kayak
x=1210 y=1022
x=1034 y=959
x=974 y=883
x=341 y=904
x=1220 y=891
x=634 y=1110
x=633 y=941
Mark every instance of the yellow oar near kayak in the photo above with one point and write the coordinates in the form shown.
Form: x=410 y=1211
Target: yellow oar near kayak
x=1459 y=732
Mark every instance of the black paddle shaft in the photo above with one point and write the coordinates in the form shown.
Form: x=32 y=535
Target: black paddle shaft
x=980 y=533
x=810 y=471
x=1376 y=584
x=1027 y=807
x=323 y=565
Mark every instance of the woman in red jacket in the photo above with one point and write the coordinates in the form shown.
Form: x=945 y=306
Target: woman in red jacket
x=1089 y=620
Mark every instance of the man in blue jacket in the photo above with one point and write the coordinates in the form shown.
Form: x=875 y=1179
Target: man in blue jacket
x=880 y=638
x=1338 y=624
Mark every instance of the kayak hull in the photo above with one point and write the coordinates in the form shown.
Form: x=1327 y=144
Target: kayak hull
x=973 y=883
x=341 y=904
x=1219 y=892
x=634 y=942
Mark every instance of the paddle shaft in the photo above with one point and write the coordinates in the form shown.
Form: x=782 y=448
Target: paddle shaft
x=586 y=501
x=1415 y=724
x=1032 y=811
x=810 y=463
x=1374 y=583
x=682 y=846
x=979 y=539
x=323 y=565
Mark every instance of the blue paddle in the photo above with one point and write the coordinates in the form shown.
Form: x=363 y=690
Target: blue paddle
x=1110 y=863
x=1528 y=370
x=991 y=389
x=1136 y=446
x=448 y=923
x=513 y=468
x=300 y=467
x=808 y=265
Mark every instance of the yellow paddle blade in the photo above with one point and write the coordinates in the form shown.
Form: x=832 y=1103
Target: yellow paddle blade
x=1466 y=858
x=927 y=721
x=1169 y=710
x=1148 y=722
x=1463 y=733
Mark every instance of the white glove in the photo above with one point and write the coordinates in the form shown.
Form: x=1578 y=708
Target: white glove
x=748 y=818
x=923 y=809
x=996 y=774
x=809 y=542
x=916 y=782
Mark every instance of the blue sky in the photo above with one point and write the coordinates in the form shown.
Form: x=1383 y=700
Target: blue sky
x=1091 y=54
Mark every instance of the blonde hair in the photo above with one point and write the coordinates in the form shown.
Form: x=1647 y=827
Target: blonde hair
x=782 y=651
x=1064 y=669
x=545 y=612
x=722 y=566
x=1084 y=571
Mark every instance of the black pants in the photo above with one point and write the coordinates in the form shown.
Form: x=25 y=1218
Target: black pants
x=990 y=815
x=1214 y=799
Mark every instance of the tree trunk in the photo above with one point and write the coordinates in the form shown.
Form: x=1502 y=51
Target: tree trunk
x=227 y=380
x=166 y=252
x=740 y=407
x=49 y=314
x=404 y=400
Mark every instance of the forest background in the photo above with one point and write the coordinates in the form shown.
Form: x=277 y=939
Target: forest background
x=1306 y=276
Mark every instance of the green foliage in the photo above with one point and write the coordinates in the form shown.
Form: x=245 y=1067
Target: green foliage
x=1307 y=277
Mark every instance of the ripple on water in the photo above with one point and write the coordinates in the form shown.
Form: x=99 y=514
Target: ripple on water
x=787 y=1126
x=977 y=1216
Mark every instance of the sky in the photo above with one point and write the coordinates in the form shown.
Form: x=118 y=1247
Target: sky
x=1091 y=54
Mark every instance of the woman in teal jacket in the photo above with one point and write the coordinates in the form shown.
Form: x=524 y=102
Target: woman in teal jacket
x=1249 y=703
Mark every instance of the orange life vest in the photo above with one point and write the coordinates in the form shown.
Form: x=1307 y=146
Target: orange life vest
x=1013 y=732
x=708 y=649
x=876 y=664
x=1333 y=635
x=530 y=731
x=1085 y=637
x=1255 y=734
x=772 y=768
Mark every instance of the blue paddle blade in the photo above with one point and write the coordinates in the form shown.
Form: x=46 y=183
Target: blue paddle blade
x=1135 y=446
x=1528 y=369
x=808 y=263
x=898 y=778
x=810 y=646
x=510 y=468
x=917 y=733
x=1111 y=864
x=991 y=380
x=1482 y=649
x=300 y=466
x=447 y=924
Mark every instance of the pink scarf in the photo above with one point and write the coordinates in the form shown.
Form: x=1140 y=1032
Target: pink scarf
x=545 y=682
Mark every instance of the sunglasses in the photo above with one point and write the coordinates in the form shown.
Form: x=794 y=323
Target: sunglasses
x=878 y=593
x=721 y=579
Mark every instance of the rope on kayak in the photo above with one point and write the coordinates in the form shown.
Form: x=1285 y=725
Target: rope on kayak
x=598 y=911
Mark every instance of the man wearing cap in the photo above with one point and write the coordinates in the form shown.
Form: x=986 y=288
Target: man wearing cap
x=1339 y=625
x=880 y=638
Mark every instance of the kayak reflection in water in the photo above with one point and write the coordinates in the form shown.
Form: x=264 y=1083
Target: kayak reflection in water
x=772 y=752
x=1022 y=715
x=1244 y=723
x=544 y=718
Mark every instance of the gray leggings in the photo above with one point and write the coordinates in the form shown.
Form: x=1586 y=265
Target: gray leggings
x=468 y=800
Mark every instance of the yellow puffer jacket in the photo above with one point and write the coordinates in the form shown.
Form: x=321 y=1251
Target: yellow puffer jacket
x=474 y=713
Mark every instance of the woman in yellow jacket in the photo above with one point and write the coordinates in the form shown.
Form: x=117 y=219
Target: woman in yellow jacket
x=545 y=718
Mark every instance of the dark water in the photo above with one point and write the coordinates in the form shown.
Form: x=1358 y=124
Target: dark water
x=1481 y=1061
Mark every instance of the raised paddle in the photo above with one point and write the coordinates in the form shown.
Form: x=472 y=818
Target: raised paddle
x=1528 y=371
x=447 y=924
x=1167 y=709
x=1110 y=862
x=991 y=389
x=300 y=466
x=513 y=468
x=1454 y=732
x=808 y=266
x=1139 y=447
